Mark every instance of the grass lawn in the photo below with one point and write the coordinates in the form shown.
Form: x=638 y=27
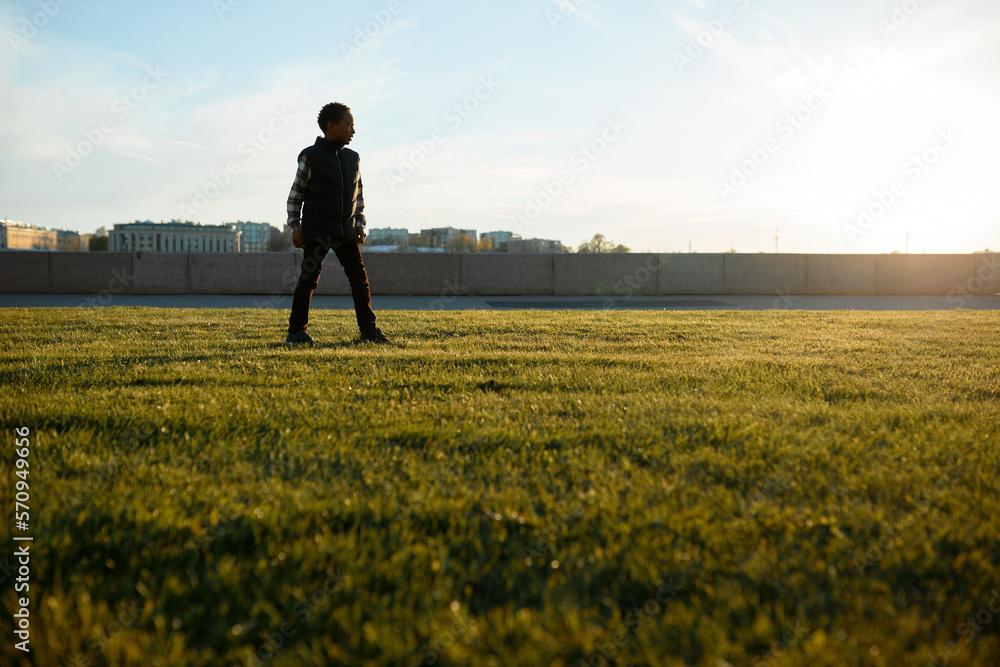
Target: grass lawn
x=506 y=488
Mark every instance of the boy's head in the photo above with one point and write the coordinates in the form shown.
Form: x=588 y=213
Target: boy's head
x=336 y=122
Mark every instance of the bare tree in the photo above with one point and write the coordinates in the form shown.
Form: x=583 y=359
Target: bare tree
x=601 y=244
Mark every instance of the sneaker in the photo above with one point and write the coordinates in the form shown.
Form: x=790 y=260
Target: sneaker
x=299 y=338
x=374 y=336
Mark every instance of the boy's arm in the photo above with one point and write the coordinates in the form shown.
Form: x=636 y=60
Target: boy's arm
x=359 y=212
x=360 y=224
x=298 y=194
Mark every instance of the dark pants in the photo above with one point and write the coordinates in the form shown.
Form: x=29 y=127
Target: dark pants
x=349 y=255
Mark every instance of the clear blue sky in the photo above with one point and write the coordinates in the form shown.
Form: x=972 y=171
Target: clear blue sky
x=787 y=115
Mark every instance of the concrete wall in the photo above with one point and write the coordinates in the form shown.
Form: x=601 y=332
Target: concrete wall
x=457 y=274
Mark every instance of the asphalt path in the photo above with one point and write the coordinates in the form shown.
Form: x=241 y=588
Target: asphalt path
x=447 y=302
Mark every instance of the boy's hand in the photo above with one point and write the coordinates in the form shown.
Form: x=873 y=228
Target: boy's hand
x=361 y=233
x=297 y=240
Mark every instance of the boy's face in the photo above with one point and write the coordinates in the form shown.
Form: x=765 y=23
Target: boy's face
x=342 y=131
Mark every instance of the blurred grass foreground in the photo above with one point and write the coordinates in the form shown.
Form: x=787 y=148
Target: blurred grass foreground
x=506 y=488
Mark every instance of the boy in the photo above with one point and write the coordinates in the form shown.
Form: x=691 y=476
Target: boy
x=328 y=191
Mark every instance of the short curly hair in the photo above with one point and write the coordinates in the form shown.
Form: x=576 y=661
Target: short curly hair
x=335 y=111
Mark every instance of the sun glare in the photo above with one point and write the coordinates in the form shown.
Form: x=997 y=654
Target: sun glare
x=893 y=152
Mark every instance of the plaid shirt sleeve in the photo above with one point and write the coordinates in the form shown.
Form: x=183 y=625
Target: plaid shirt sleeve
x=298 y=194
x=359 y=214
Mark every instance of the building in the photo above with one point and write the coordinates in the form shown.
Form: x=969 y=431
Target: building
x=511 y=242
x=388 y=236
x=68 y=240
x=254 y=236
x=22 y=236
x=534 y=245
x=173 y=236
x=444 y=237
x=501 y=239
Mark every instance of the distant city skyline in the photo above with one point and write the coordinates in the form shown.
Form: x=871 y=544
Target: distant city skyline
x=689 y=124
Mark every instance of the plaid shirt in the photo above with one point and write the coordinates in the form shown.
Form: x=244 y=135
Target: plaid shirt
x=298 y=195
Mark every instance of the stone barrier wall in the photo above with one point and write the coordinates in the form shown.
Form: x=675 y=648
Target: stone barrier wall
x=459 y=274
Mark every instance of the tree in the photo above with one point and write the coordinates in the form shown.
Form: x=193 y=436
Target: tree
x=281 y=239
x=463 y=243
x=484 y=245
x=99 y=240
x=601 y=244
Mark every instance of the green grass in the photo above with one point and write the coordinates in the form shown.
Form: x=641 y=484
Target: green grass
x=507 y=488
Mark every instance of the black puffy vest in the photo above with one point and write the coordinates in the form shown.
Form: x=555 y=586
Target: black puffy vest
x=332 y=192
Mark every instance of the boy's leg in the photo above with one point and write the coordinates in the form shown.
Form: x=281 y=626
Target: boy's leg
x=349 y=255
x=312 y=265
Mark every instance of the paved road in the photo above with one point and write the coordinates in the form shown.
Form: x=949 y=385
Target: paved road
x=762 y=302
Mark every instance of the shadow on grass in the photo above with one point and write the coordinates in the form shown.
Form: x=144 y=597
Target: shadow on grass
x=319 y=345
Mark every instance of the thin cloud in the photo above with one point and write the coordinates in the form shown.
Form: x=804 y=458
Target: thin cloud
x=186 y=144
x=136 y=156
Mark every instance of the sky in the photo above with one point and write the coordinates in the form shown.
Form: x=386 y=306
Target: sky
x=855 y=126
